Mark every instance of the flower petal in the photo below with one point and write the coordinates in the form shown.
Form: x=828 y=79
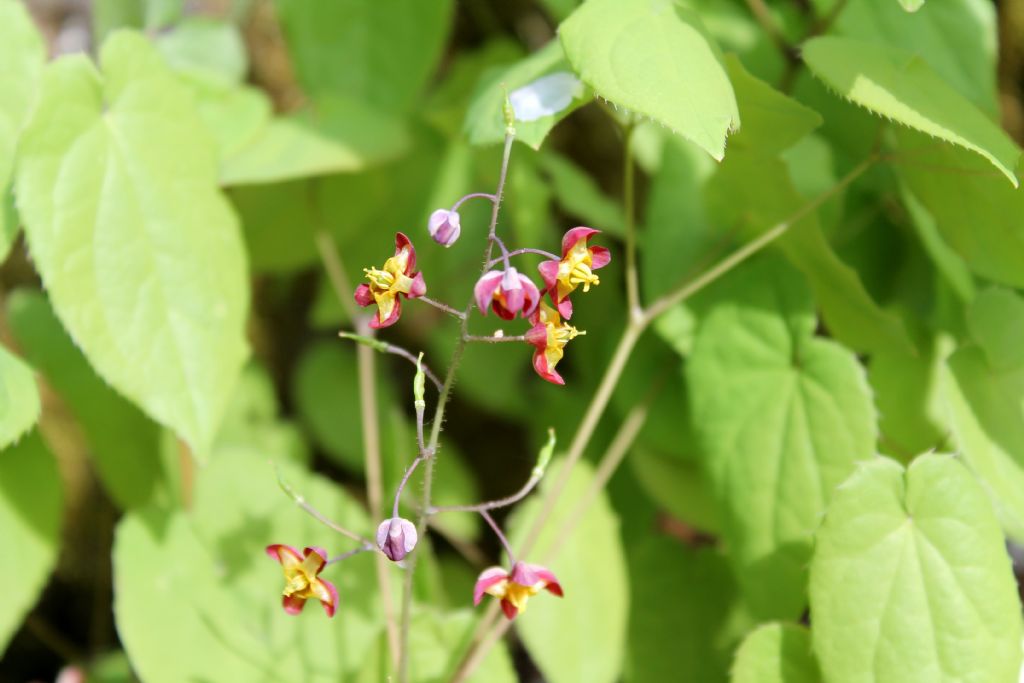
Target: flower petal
x=483 y=291
x=363 y=296
x=401 y=243
x=285 y=554
x=572 y=237
x=396 y=310
x=327 y=594
x=293 y=604
x=320 y=553
x=564 y=307
x=490 y=577
x=540 y=364
x=600 y=257
x=538 y=336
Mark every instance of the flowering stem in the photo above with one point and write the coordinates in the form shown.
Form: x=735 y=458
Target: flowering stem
x=435 y=431
x=315 y=514
x=488 y=339
x=485 y=636
x=475 y=195
x=501 y=537
x=504 y=251
x=405 y=478
x=443 y=307
x=519 y=252
x=350 y=553
x=491 y=504
x=385 y=347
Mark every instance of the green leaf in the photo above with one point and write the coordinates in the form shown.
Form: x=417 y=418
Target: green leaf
x=332 y=135
x=996 y=322
x=581 y=637
x=911 y=5
x=205 y=49
x=123 y=443
x=772 y=122
x=776 y=653
x=22 y=53
x=910 y=580
x=947 y=262
x=658 y=60
x=148 y=272
x=683 y=613
x=485 y=121
x=19 y=398
x=579 y=195
x=902 y=87
x=977 y=217
x=219 y=596
x=957 y=38
x=436 y=643
x=377 y=53
x=756 y=190
x=784 y=417
x=912 y=415
x=678 y=486
x=30 y=517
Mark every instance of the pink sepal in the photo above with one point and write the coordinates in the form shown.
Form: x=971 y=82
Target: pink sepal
x=544 y=574
x=418 y=287
x=401 y=241
x=564 y=306
x=484 y=289
x=363 y=296
x=509 y=609
x=538 y=336
x=332 y=606
x=376 y=323
x=531 y=296
x=276 y=549
x=600 y=257
x=292 y=604
x=572 y=237
x=540 y=364
x=549 y=273
x=487 y=578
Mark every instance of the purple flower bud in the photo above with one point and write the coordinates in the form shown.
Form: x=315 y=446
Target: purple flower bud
x=396 y=537
x=444 y=227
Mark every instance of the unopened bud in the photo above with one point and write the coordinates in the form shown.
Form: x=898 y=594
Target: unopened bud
x=544 y=457
x=444 y=226
x=419 y=383
x=396 y=537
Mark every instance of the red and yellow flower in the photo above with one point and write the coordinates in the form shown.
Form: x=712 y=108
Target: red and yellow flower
x=514 y=588
x=549 y=335
x=302 y=582
x=388 y=284
x=576 y=268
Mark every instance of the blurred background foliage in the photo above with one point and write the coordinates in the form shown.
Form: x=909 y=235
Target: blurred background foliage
x=359 y=118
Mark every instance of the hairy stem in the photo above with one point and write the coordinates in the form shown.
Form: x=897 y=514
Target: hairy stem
x=487 y=339
x=435 y=430
x=443 y=307
x=501 y=536
x=520 y=252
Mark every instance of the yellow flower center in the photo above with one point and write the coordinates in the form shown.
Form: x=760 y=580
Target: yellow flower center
x=300 y=577
x=518 y=595
x=575 y=270
x=559 y=334
x=387 y=282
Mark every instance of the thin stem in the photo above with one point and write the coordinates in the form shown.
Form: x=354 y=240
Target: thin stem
x=313 y=512
x=825 y=22
x=443 y=307
x=504 y=251
x=764 y=17
x=385 y=347
x=350 y=553
x=629 y=201
x=746 y=251
x=520 y=252
x=435 y=431
x=336 y=272
x=405 y=478
x=492 y=504
x=501 y=537
x=486 y=339
x=474 y=195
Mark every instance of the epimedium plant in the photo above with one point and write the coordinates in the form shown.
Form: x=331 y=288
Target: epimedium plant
x=802 y=331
